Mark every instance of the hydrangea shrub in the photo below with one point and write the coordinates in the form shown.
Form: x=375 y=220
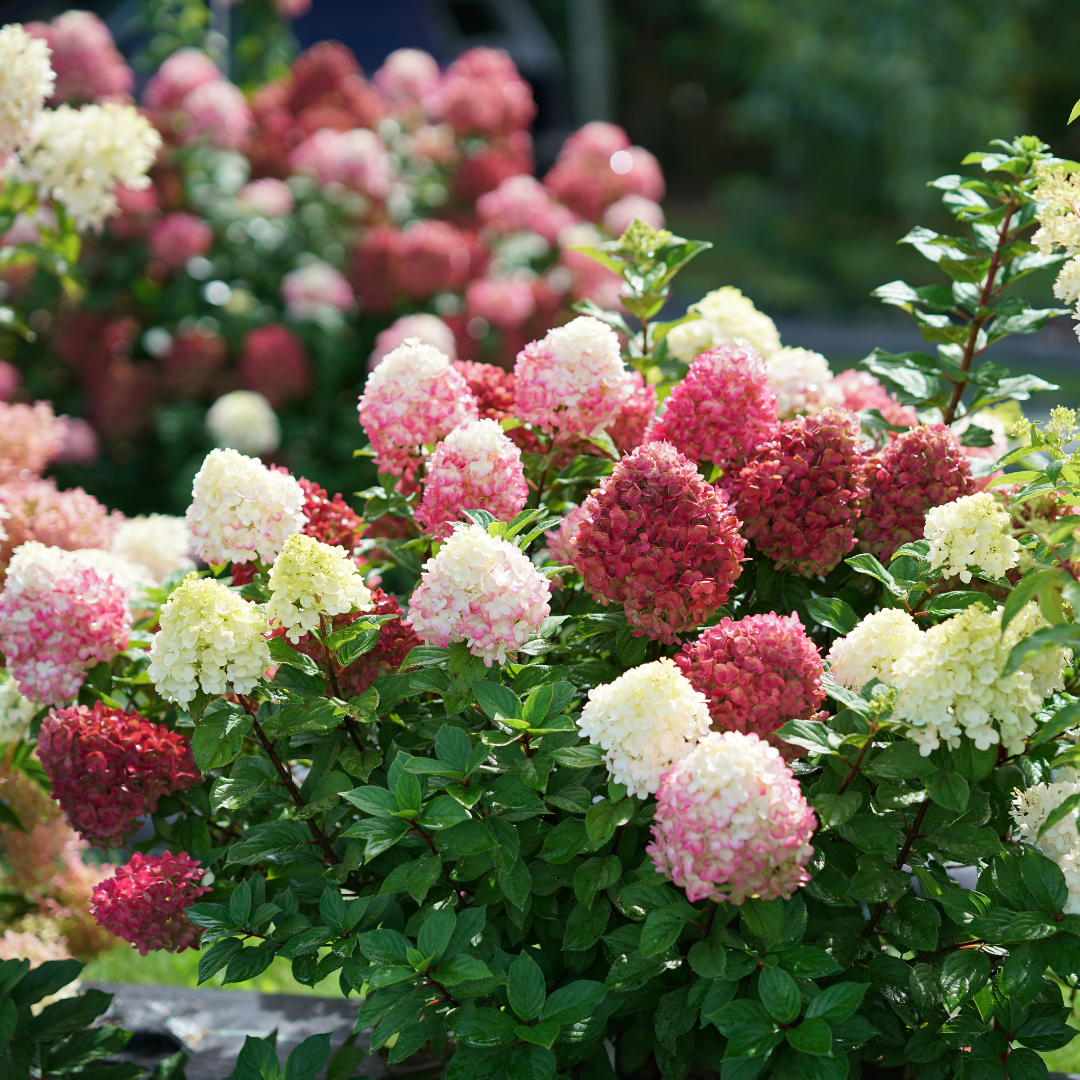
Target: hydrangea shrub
x=658 y=769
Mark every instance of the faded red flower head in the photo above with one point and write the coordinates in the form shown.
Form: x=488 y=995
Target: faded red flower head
x=275 y=363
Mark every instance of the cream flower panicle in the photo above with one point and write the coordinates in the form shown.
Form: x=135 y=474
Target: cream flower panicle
x=310 y=579
x=78 y=157
x=241 y=510
x=244 y=420
x=647 y=719
x=1060 y=842
x=210 y=639
x=802 y=382
x=157 y=541
x=871 y=650
x=16 y=710
x=971 y=531
x=27 y=83
x=725 y=315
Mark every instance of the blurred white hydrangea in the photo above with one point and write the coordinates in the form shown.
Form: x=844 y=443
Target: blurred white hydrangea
x=244 y=420
x=159 y=542
x=647 y=719
x=132 y=577
x=16 y=710
x=310 y=579
x=725 y=315
x=871 y=650
x=974 y=530
x=802 y=382
x=26 y=83
x=78 y=157
x=1060 y=842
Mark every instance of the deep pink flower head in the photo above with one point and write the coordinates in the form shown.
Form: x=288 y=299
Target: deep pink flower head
x=375 y=262
x=430 y=329
x=144 y=902
x=87 y=64
x=488 y=164
x=492 y=386
x=355 y=159
x=483 y=94
x=757 y=673
x=597 y=166
x=800 y=494
x=573 y=381
x=434 y=256
x=108 y=767
x=330 y=521
x=195 y=356
x=407 y=76
x=30 y=437
x=274 y=363
x=216 y=113
x=637 y=412
x=860 y=390
x=476 y=467
x=919 y=469
x=177 y=77
x=58 y=618
x=396 y=640
x=619 y=215
x=722 y=411
x=522 y=203
x=504 y=302
x=269 y=197
x=138 y=211
x=731 y=822
x=313 y=288
x=659 y=540
x=10 y=377
x=177 y=237
x=414 y=398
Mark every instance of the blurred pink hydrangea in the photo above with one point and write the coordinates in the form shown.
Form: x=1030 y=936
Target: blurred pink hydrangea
x=408 y=76
x=562 y=541
x=482 y=590
x=181 y=73
x=476 y=467
x=87 y=64
x=269 y=197
x=80 y=445
x=216 y=113
x=731 y=822
x=414 y=398
x=58 y=618
x=619 y=215
x=638 y=411
x=522 y=203
x=273 y=362
x=313 y=288
x=177 y=237
x=859 y=390
x=483 y=94
x=800 y=494
x=597 y=166
x=573 y=381
x=503 y=302
x=429 y=329
x=30 y=437
x=659 y=540
x=721 y=412
x=918 y=470
x=108 y=767
x=757 y=673
x=10 y=377
x=145 y=901
x=355 y=159
x=434 y=256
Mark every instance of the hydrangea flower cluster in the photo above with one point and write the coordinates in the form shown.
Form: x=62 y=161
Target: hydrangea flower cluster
x=637 y=413
x=974 y=530
x=245 y=421
x=659 y=540
x=646 y=720
x=572 y=382
x=132 y=577
x=726 y=315
x=28 y=83
x=482 y=590
x=492 y=387
x=475 y=468
x=58 y=618
x=332 y=521
x=919 y=469
x=316 y=287
x=429 y=329
x=309 y=580
x=274 y=363
x=951 y=682
x=210 y=639
x=757 y=673
x=30 y=437
x=241 y=510
x=87 y=63
x=157 y=541
x=859 y=390
x=721 y=411
x=178 y=237
x=799 y=495
x=872 y=649
x=109 y=767
x=414 y=398
x=145 y=901
x=731 y=823
x=562 y=541
x=802 y=382
x=1060 y=842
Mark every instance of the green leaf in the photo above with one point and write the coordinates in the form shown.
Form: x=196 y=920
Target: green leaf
x=870 y=834
x=810 y=734
x=47 y=978
x=436 y=932
x=282 y=652
x=1024 y=969
x=1066 y=634
x=812 y=1036
x=838 y=1002
x=248 y=964
x=948 y=789
x=807 y=962
x=525 y=990
x=663 y=927
x=217 y=956
x=900 y=760
x=373 y=800
x=579 y=757
x=257 y=1060
x=833 y=613
x=542 y=1034
x=584 y=926
x=1026 y=1065
x=442 y=812
x=1059 y=812
x=573 y=1002
x=603 y=818
x=497 y=700
x=752 y=1039
x=219 y=735
x=765 y=919
x=485 y=1027
x=964 y=974
x=1044 y=880
x=779 y=994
